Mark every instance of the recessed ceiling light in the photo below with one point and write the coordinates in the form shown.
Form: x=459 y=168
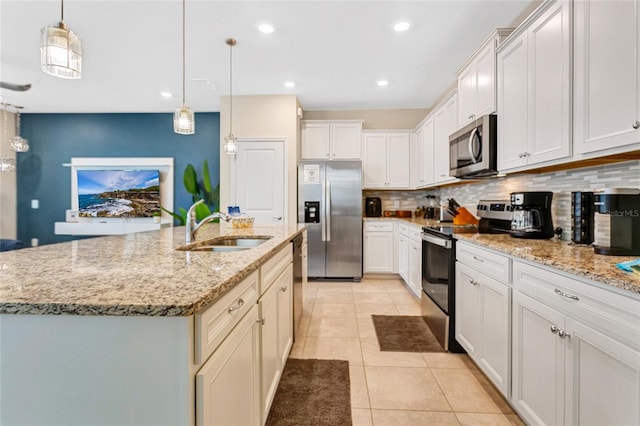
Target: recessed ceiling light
x=289 y=84
x=166 y=94
x=401 y=26
x=382 y=83
x=265 y=27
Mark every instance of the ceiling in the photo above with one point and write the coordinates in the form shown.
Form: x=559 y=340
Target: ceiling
x=334 y=51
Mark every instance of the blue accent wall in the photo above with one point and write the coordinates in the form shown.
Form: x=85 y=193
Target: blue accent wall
x=55 y=138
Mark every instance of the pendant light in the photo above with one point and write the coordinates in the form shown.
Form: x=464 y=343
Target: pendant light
x=184 y=121
x=17 y=142
x=6 y=164
x=61 y=50
x=230 y=145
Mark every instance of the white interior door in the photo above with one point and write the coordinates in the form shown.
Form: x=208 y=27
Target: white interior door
x=260 y=180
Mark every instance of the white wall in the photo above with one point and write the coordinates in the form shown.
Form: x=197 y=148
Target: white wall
x=8 y=185
x=268 y=117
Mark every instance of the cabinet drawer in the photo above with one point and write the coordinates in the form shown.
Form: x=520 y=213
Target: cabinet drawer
x=215 y=323
x=272 y=268
x=613 y=314
x=379 y=226
x=491 y=264
x=403 y=229
x=415 y=234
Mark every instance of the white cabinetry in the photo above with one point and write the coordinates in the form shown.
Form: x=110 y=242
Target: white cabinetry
x=483 y=311
x=445 y=123
x=403 y=251
x=576 y=351
x=276 y=319
x=386 y=160
x=607 y=75
x=228 y=384
x=378 y=246
x=424 y=153
x=331 y=140
x=534 y=90
x=477 y=80
x=415 y=261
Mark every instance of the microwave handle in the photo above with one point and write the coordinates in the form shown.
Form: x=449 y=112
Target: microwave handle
x=471 y=136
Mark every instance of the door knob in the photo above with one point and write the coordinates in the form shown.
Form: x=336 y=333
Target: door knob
x=636 y=125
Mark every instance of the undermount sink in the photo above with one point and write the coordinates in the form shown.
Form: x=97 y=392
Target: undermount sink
x=226 y=244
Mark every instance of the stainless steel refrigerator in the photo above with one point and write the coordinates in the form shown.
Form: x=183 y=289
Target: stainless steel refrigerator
x=330 y=205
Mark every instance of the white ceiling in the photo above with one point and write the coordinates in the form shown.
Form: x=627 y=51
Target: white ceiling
x=334 y=51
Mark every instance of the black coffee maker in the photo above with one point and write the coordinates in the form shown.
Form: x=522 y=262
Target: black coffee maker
x=531 y=215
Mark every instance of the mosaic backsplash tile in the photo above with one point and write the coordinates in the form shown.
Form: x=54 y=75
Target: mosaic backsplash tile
x=561 y=183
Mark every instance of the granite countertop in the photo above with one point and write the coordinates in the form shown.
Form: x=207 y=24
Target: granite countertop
x=561 y=255
x=134 y=274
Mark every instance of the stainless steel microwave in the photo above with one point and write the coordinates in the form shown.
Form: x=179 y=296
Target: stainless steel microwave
x=472 y=149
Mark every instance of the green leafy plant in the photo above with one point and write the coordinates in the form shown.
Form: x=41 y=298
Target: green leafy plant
x=199 y=190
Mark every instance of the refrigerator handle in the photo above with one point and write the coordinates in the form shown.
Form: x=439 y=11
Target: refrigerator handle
x=328 y=204
x=323 y=204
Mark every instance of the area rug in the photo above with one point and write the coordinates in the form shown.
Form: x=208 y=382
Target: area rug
x=312 y=392
x=404 y=334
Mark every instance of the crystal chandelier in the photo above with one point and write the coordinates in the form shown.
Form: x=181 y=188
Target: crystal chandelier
x=17 y=143
x=230 y=145
x=61 y=50
x=184 y=121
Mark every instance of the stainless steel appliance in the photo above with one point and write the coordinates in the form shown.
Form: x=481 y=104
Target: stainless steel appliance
x=531 y=215
x=617 y=222
x=495 y=216
x=330 y=204
x=298 y=277
x=438 y=284
x=373 y=207
x=582 y=210
x=473 y=149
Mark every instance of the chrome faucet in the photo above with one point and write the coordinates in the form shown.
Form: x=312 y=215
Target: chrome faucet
x=193 y=226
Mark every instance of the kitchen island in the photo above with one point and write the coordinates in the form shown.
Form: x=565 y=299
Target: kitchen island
x=105 y=330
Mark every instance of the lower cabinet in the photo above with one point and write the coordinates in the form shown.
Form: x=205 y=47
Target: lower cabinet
x=568 y=367
x=415 y=262
x=378 y=246
x=483 y=317
x=228 y=384
x=403 y=252
x=276 y=336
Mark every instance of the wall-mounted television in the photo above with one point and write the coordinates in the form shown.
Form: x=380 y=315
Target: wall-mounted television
x=118 y=193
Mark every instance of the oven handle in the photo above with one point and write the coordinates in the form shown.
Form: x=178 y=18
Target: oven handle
x=437 y=241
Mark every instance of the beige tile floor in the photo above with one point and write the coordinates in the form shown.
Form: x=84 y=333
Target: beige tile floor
x=393 y=388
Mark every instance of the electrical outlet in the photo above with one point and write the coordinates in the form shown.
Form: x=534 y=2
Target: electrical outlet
x=34 y=242
x=35 y=204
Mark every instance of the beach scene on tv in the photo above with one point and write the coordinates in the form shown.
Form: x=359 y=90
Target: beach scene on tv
x=118 y=193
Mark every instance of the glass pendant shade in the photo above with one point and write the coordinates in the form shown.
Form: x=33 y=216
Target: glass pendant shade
x=61 y=52
x=17 y=143
x=184 y=121
x=7 y=165
x=230 y=145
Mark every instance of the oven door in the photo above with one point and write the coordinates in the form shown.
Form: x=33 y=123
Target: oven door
x=437 y=271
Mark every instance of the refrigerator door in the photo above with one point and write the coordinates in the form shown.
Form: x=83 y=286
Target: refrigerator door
x=311 y=189
x=343 y=212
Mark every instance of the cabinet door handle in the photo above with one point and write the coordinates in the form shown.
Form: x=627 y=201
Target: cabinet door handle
x=238 y=306
x=554 y=329
x=562 y=334
x=636 y=125
x=477 y=259
x=568 y=296
x=474 y=282
x=283 y=288
x=277 y=217
x=260 y=321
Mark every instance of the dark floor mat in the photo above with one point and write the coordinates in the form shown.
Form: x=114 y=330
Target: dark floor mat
x=404 y=334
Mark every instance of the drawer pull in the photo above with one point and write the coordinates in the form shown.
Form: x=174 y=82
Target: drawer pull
x=554 y=329
x=474 y=282
x=238 y=306
x=477 y=259
x=260 y=321
x=562 y=334
x=568 y=296
x=283 y=288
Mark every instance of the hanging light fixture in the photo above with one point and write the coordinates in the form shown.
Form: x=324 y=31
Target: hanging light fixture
x=18 y=143
x=230 y=145
x=61 y=50
x=6 y=164
x=184 y=121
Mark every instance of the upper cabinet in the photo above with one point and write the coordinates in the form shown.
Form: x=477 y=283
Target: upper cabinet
x=424 y=153
x=331 y=140
x=477 y=80
x=385 y=161
x=534 y=89
x=607 y=75
x=445 y=123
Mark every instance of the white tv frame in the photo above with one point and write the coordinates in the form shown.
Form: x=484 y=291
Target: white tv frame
x=114 y=225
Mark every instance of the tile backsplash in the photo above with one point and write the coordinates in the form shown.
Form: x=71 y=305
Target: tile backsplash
x=561 y=183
